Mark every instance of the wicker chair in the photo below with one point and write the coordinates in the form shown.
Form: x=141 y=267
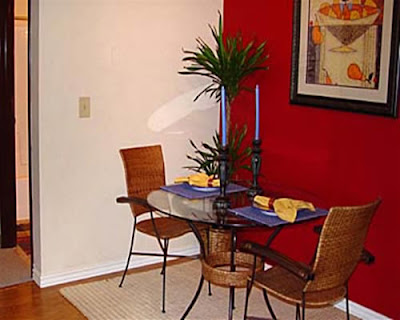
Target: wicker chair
x=144 y=172
x=324 y=282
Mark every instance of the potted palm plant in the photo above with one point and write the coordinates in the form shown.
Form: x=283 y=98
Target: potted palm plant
x=205 y=156
x=227 y=65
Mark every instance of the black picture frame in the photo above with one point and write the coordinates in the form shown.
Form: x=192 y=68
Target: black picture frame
x=337 y=98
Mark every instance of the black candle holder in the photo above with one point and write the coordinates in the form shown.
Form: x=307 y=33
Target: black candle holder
x=221 y=203
x=255 y=188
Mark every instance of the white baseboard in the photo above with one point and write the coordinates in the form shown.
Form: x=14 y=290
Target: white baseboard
x=136 y=261
x=360 y=311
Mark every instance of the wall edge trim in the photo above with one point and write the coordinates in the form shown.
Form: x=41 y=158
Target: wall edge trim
x=361 y=311
x=98 y=270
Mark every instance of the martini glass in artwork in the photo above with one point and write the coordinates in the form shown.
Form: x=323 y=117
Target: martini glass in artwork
x=347 y=25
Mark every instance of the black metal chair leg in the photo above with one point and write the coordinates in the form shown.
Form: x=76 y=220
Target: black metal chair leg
x=164 y=273
x=249 y=286
x=246 y=302
x=130 y=252
x=347 y=303
x=271 y=311
x=303 y=307
x=165 y=255
x=298 y=312
x=233 y=267
x=208 y=251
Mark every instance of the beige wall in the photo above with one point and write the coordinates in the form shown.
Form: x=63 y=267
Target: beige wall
x=125 y=55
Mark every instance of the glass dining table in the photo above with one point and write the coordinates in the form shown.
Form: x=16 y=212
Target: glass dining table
x=200 y=212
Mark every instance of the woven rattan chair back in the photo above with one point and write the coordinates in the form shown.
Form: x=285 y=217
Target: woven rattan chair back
x=144 y=172
x=340 y=246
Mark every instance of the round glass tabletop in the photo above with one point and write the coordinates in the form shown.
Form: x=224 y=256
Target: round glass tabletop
x=198 y=210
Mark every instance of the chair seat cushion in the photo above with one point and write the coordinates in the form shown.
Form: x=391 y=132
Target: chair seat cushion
x=168 y=228
x=286 y=286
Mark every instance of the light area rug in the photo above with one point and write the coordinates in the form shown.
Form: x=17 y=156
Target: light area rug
x=14 y=269
x=140 y=298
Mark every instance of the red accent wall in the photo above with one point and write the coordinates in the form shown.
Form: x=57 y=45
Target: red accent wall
x=343 y=158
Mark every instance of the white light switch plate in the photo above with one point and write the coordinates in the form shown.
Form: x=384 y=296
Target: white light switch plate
x=84 y=107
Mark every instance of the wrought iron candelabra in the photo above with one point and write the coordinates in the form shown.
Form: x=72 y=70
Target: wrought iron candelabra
x=255 y=189
x=221 y=203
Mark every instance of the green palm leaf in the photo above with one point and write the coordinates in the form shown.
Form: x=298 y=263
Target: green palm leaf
x=228 y=65
x=206 y=159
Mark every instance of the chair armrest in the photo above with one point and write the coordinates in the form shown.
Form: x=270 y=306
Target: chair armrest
x=299 y=269
x=366 y=256
x=318 y=229
x=140 y=201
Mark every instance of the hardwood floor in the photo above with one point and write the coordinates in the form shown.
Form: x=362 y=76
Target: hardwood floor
x=27 y=301
x=24 y=237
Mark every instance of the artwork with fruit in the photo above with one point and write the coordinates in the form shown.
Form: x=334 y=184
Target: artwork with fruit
x=344 y=43
x=346 y=55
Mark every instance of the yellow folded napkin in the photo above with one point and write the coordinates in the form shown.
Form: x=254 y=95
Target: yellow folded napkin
x=285 y=208
x=199 y=180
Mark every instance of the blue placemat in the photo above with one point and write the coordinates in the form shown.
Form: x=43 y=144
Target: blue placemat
x=257 y=215
x=186 y=191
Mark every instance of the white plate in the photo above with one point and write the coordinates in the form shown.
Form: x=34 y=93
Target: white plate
x=267 y=212
x=205 y=189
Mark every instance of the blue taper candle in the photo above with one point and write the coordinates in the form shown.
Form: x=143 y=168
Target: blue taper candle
x=223 y=115
x=257 y=134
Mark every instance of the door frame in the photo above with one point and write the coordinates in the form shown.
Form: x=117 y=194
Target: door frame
x=8 y=216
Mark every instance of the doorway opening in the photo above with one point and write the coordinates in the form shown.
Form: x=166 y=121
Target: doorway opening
x=15 y=238
x=22 y=127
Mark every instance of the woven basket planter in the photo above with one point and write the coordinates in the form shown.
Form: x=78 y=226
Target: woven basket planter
x=216 y=240
x=216 y=268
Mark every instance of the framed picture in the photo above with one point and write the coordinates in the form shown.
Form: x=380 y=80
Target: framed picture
x=345 y=55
